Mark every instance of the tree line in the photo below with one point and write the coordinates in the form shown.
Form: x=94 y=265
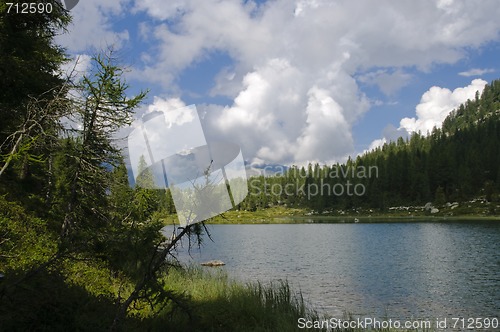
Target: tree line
x=457 y=162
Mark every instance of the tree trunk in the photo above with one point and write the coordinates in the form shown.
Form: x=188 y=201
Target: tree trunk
x=155 y=264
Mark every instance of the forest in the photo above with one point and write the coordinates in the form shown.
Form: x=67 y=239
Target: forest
x=79 y=247
x=456 y=163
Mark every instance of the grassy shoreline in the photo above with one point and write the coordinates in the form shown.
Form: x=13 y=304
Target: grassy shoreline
x=268 y=217
x=349 y=219
x=212 y=301
x=282 y=215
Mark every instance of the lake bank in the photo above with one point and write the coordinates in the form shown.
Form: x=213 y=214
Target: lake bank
x=477 y=209
x=284 y=215
x=328 y=219
x=413 y=269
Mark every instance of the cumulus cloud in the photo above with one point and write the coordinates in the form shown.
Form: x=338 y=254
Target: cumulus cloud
x=388 y=81
x=326 y=126
x=76 y=67
x=91 y=26
x=375 y=144
x=297 y=64
x=476 y=72
x=165 y=105
x=163 y=11
x=295 y=67
x=437 y=103
x=283 y=115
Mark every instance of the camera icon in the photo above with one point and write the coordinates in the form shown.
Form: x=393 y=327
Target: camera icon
x=206 y=178
x=68 y=4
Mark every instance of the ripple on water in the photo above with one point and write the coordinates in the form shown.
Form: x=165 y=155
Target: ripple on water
x=405 y=270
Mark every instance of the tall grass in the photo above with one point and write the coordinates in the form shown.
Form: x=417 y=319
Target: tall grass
x=208 y=300
x=213 y=302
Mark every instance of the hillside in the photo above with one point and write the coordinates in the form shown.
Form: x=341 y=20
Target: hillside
x=457 y=163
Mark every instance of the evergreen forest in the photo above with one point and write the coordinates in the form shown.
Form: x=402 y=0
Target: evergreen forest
x=81 y=248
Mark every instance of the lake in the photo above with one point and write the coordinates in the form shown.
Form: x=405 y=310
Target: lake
x=394 y=270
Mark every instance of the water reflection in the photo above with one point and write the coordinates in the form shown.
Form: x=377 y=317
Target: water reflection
x=400 y=270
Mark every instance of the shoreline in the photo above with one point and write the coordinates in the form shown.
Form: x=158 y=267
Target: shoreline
x=350 y=219
x=287 y=215
x=280 y=215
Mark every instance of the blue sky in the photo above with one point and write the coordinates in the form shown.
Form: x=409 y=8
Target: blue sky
x=299 y=81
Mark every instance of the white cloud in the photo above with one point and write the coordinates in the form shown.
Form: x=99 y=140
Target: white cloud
x=376 y=144
x=285 y=115
x=295 y=97
x=76 y=67
x=476 y=72
x=314 y=33
x=389 y=82
x=91 y=26
x=293 y=80
x=437 y=103
x=267 y=115
x=326 y=126
x=163 y=105
x=162 y=11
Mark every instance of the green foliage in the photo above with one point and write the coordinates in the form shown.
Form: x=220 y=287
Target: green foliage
x=77 y=242
x=103 y=109
x=74 y=237
x=131 y=245
x=145 y=178
x=439 y=197
x=121 y=194
x=25 y=242
x=210 y=301
x=46 y=302
x=29 y=61
x=30 y=98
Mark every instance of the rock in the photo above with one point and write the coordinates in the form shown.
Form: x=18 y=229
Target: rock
x=428 y=206
x=213 y=263
x=434 y=210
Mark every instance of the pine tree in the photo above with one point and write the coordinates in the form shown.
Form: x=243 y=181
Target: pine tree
x=103 y=108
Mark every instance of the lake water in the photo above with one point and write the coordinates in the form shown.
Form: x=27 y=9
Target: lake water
x=397 y=270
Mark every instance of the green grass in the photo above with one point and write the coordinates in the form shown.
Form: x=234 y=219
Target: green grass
x=82 y=293
x=206 y=299
x=214 y=302
x=275 y=215
x=286 y=215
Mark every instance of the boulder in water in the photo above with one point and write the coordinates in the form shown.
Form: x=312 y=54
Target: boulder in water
x=213 y=263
